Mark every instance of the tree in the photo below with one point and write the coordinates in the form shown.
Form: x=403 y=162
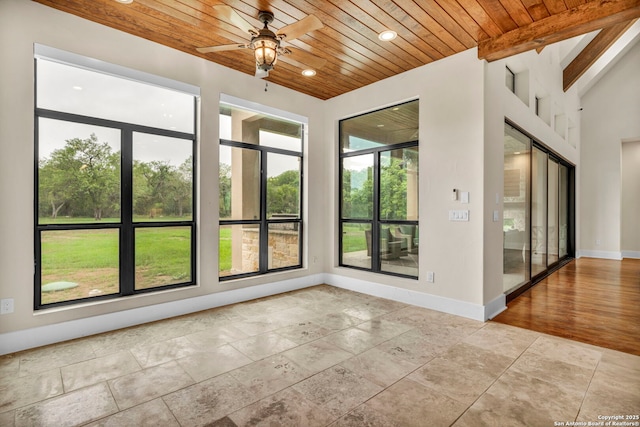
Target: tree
x=283 y=193
x=224 y=185
x=85 y=174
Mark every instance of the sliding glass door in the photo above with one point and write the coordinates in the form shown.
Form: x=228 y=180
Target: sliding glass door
x=536 y=216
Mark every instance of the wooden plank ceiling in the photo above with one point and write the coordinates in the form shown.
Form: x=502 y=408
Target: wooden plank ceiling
x=428 y=30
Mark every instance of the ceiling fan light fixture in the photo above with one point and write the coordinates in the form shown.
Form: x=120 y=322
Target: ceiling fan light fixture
x=309 y=73
x=125 y=1
x=387 y=35
x=265 y=50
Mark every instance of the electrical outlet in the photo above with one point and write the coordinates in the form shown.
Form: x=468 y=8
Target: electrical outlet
x=6 y=306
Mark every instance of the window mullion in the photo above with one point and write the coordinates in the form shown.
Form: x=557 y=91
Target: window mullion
x=127 y=256
x=375 y=228
x=264 y=226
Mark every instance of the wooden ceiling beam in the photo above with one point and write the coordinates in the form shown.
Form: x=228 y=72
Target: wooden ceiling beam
x=582 y=19
x=592 y=52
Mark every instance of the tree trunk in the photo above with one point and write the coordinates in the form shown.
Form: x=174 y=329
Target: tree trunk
x=55 y=210
x=97 y=214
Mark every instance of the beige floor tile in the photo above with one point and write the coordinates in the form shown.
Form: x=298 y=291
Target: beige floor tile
x=364 y=311
x=150 y=414
x=208 y=364
x=354 y=340
x=609 y=399
x=71 y=409
x=380 y=367
x=125 y=339
x=529 y=400
x=459 y=382
x=222 y=422
x=8 y=419
x=415 y=316
x=317 y=356
x=20 y=391
x=303 y=332
x=478 y=359
x=337 y=390
x=408 y=403
x=363 y=416
x=626 y=360
x=216 y=336
x=148 y=384
x=413 y=347
x=483 y=414
x=98 y=370
x=54 y=356
x=263 y=345
x=565 y=375
x=337 y=321
x=503 y=339
x=384 y=328
x=566 y=351
x=285 y=408
x=270 y=375
x=208 y=401
x=627 y=378
x=9 y=366
x=154 y=354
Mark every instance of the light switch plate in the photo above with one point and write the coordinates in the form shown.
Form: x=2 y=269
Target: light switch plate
x=459 y=215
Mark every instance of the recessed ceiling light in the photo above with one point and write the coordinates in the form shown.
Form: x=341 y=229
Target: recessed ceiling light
x=77 y=87
x=387 y=35
x=395 y=108
x=309 y=73
x=125 y=1
x=380 y=126
x=517 y=152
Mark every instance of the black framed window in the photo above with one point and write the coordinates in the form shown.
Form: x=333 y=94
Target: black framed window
x=115 y=189
x=379 y=191
x=260 y=193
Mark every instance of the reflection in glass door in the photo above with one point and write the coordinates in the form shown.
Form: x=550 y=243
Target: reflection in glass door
x=538 y=212
x=515 y=225
x=563 y=210
x=552 y=217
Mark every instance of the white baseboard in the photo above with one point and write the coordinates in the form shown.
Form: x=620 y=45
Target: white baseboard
x=631 y=254
x=421 y=299
x=599 y=254
x=495 y=307
x=12 y=342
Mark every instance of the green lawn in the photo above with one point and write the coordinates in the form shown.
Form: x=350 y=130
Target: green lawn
x=353 y=237
x=90 y=258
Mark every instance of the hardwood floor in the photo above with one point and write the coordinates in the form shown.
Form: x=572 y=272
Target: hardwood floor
x=590 y=300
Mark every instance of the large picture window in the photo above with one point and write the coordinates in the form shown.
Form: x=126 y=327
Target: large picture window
x=260 y=193
x=114 y=184
x=379 y=191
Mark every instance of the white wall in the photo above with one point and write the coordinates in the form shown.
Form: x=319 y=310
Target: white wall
x=451 y=153
x=24 y=23
x=541 y=75
x=611 y=114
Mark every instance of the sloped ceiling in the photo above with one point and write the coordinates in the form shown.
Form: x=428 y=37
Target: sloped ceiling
x=428 y=30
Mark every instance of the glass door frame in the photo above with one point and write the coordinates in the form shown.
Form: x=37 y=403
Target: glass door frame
x=570 y=203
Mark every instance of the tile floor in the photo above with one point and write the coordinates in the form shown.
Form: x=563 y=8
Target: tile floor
x=321 y=356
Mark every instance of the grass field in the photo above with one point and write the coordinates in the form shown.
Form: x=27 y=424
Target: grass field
x=353 y=237
x=90 y=258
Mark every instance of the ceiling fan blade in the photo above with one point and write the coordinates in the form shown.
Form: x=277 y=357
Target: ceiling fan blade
x=302 y=59
x=222 y=48
x=230 y=15
x=303 y=26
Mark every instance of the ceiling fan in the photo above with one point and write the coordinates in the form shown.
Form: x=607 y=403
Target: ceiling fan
x=266 y=44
